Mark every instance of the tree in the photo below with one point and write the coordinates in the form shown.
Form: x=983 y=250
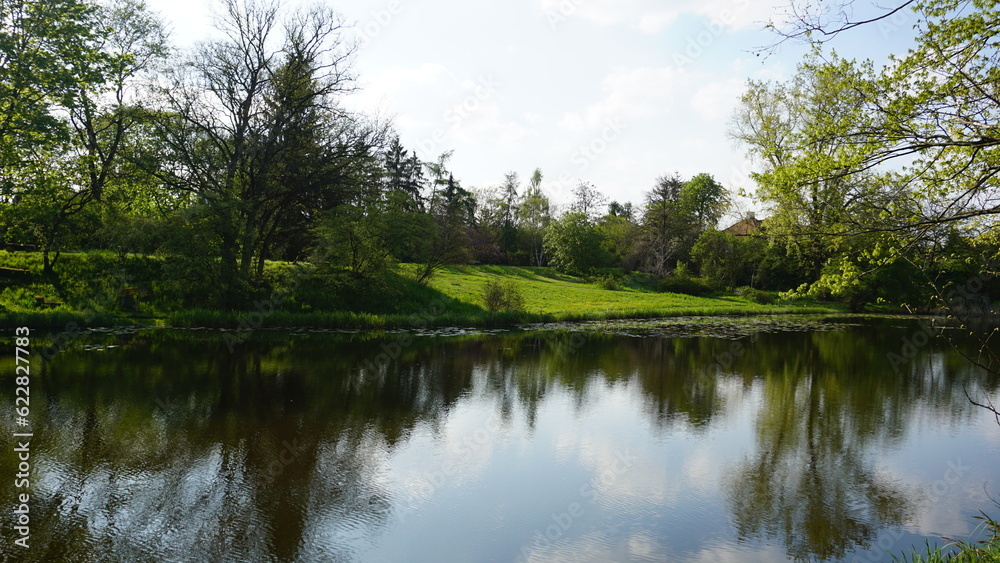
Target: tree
x=254 y=132
x=439 y=174
x=623 y=210
x=574 y=244
x=352 y=238
x=705 y=199
x=453 y=213
x=404 y=174
x=618 y=235
x=921 y=130
x=667 y=227
x=48 y=49
x=107 y=114
x=793 y=130
x=508 y=215
x=587 y=200
x=534 y=215
x=89 y=121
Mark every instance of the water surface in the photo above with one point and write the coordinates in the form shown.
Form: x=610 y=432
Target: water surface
x=698 y=440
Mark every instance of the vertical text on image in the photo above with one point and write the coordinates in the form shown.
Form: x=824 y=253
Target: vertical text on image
x=22 y=439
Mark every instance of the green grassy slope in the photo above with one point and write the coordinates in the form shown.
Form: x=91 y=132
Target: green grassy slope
x=89 y=285
x=547 y=292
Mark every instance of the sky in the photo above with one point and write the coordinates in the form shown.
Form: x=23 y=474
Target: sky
x=612 y=92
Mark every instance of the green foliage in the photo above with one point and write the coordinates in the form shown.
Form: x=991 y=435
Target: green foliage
x=534 y=215
x=618 y=236
x=756 y=295
x=574 y=244
x=897 y=283
x=48 y=48
x=351 y=238
x=408 y=232
x=986 y=550
x=726 y=259
x=681 y=281
x=608 y=282
x=502 y=295
x=705 y=199
x=878 y=163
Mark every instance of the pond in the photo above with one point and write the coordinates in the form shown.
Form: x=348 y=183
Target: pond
x=804 y=439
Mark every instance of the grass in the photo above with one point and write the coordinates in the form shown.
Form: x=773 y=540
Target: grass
x=959 y=551
x=89 y=284
x=562 y=297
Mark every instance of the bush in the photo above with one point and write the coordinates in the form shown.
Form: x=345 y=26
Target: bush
x=688 y=286
x=502 y=295
x=681 y=281
x=608 y=282
x=756 y=295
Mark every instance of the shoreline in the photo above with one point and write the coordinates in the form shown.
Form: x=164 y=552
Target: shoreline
x=251 y=321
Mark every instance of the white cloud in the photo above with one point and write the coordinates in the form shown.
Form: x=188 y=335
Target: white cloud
x=717 y=100
x=653 y=16
x=631 y=94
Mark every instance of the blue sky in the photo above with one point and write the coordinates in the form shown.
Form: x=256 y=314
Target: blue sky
x=614 y=92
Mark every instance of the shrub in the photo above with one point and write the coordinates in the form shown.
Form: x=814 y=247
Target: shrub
x=687 y=286
x=756 y=295
x=502 y=295
x=681 y=281
x=608 y=282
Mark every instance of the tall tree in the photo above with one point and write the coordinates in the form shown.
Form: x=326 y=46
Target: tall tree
x=588 y=200
x=508 y=216
x=94 y=112
x=404 y=174
x=666 y=226
x=48 y=48
x=453 y=214
x=794 y=130
x=534 y=216
x=242 y=110
x=706 y=199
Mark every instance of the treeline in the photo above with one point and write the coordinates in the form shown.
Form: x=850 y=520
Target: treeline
x=240 y=152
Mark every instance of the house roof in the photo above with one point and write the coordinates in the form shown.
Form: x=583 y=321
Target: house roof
x=744 y=227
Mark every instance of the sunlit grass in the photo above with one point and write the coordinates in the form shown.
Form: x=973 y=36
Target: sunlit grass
x=547 y=292
x=963 y=551
x=86 y=283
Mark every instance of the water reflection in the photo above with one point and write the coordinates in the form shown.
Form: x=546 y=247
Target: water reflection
x=529 y=445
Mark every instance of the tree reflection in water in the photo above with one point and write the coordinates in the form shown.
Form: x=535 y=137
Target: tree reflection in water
x=170 y=447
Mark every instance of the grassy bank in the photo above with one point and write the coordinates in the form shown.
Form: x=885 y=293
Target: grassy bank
x=986 y=550
x=89 y=289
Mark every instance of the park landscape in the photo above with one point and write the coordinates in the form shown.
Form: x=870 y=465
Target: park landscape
x=265 y=327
